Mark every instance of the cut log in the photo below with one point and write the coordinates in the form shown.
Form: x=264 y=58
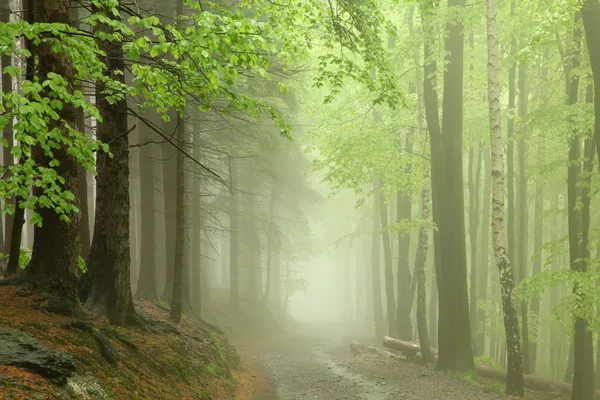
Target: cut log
x=409 y=349
x=358 y=348
x=412 y=350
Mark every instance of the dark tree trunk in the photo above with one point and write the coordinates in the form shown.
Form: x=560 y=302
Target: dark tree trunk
x=482 y=286
x=376 y=269
x=455 y=348
x=430 y=100
x=177 y=301
x=109 y=256
x=389 y=274
x=56 y=247
x=82 y=173
x=420 y=261
x=146 y=286
x=591 y=22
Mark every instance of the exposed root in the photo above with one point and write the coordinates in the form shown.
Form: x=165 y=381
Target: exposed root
x=11 y=281
x=107 y=350
x=116 y=335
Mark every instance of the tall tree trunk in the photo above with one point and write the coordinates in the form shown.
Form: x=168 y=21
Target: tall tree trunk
x=82 y=173
x=590 y=14
x=474 y=182
x=169 y=168
x=523 y=217
x=233 y=238
x=271 y=238
x=405 y=294
x=591 y=21
x=430 y=100
x=537 y=268
x=177 y=301
x=510 y=164
x=389 y=274
x=56 y=247
x=514 y=370
x=146 y=286
x=420 y=261
x=7 y=133
x=455 y=349
x=482 y=286
x=109 y=256
x=17 y=220
x=376 y=268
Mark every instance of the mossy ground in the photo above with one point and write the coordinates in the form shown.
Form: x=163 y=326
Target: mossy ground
x=195 y=363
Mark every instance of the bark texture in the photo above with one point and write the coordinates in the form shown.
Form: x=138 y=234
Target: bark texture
x=56 y=247
x=177 y=301
x=110 y=256
x=420 y=260
x=514 y=367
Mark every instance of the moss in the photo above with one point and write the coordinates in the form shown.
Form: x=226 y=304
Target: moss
x=495 y=388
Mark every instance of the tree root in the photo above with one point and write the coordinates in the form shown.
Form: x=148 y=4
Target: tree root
x=107 y=350
x=120 y=338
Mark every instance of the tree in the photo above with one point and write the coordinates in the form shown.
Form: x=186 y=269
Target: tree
x=177 y=301
x=420 y=260
x=454 y=336
x=56 y=248
x=514 y=370
x=109 y=256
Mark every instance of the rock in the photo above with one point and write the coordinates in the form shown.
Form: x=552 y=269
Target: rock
x=22 y=351
x=86 y=388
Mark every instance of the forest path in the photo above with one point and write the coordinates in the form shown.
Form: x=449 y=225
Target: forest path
x=316 y=363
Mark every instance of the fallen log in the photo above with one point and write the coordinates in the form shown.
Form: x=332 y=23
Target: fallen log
x=409 y=349
x=412 y=350
x=358 y=348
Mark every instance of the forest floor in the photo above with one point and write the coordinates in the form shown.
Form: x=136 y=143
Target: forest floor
x=273 y=359
x=191 y=360
x=315 y=362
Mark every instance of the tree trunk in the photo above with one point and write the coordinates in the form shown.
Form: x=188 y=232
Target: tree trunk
x=389 y=274
x=590 y=14
x=177 y=301
x=146 y=287
x=474 y=173
x=271 y=238
x=404 y=278
x=482 y=286
x=420 y=261
x=514 y=370
x=169 y=168
x=233 y=238
x=430 y=100
x=56 y=247
x=455 y=348
x=510 y=164
x=109 y=256
x=7 y=133
x=523 y=211
x=376 y=268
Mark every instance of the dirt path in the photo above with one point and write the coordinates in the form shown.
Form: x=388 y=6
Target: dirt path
x=317 y=364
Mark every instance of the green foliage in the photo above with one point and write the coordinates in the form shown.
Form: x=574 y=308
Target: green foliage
x=485 y=361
